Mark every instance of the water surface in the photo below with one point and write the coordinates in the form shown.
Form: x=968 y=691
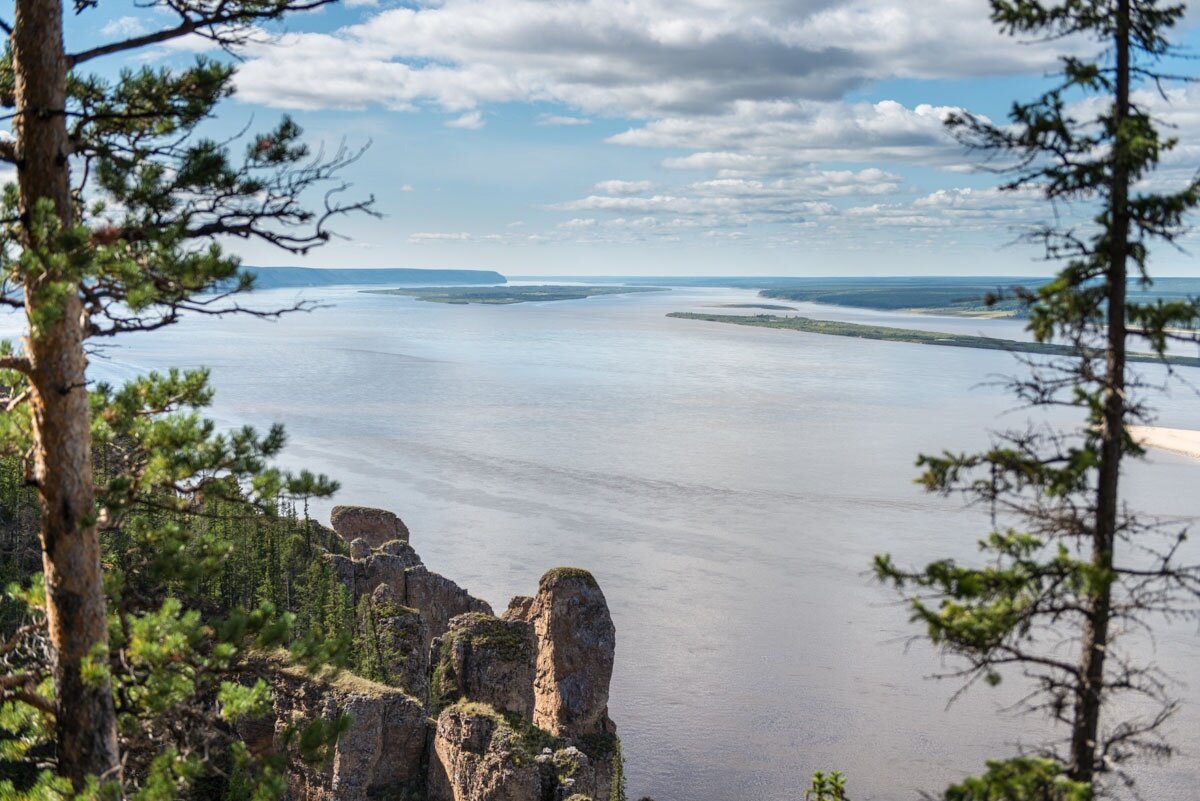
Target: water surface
x=727 y=485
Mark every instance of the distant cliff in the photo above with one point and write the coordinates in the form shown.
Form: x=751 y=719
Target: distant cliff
x=284 y=277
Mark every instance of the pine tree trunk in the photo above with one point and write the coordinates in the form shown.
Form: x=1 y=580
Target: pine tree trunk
x=1085 y=731
x=62 y=460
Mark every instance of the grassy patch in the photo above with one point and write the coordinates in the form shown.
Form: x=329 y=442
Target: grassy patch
x=522 y=739
x=480 y=631
x=558 y=573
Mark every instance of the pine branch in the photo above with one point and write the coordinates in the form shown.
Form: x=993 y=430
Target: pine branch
x=19 y=363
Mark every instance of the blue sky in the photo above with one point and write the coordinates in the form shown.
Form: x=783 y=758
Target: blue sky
x=656 y=137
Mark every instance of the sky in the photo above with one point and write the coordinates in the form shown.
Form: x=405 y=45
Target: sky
x=657 y=137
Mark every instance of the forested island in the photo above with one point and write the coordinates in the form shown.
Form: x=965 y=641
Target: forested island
x=957 y=296
x=913 y=336
x=502 y=295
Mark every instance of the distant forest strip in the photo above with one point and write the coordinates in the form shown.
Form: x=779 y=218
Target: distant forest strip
x=952 y=295
x=912 y=336
x=967 y=299
x=500 y=295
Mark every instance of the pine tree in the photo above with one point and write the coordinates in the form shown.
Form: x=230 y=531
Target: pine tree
x=1071 y=571
x=111 y=228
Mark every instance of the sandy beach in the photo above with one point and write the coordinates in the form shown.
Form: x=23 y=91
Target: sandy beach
x=1178 y=440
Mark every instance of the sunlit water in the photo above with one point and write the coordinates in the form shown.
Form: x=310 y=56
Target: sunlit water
x=727 y=485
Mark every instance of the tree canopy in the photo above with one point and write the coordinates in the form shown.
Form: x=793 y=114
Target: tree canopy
x=116 y=224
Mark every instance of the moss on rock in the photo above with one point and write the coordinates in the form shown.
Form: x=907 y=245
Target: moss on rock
x=554 y=575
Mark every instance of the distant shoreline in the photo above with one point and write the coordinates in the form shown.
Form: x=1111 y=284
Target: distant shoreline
x=913 y=336
x=298 y=277
x=508 y=295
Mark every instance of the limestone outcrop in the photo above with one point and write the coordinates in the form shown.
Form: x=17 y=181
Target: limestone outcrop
x=399 y=636
x=521 y=700
x=576 y=648
x=485 y=659
x=381 y=752
x=438 y=598
x=376 y=526
x=578 y=774
x=478 y=756
x=483 y=666
x=395 y=564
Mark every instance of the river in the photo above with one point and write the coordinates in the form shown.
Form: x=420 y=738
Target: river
x=727 y=485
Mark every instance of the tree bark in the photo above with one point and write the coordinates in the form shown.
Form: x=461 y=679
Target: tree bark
x=62 y=459
x=1086 y=724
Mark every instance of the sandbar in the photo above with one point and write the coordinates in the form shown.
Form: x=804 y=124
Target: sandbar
x=1176 y=440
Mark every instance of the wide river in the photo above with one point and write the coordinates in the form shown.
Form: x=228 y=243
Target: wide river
x=727 y=485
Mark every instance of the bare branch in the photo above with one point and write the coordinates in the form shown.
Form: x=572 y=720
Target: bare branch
x=208 y=26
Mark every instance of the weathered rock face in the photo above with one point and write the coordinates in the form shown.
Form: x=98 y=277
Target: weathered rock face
x=439 y=599
x=359 y=549
x=478 y=757
x=376 y=526
x=380 y=755
x=576 y=647
x=399 y=637
x=519 y=608
x=578 y=774
x=402 y=551
x=396 y=565
x=486 y=659
x=523 y=697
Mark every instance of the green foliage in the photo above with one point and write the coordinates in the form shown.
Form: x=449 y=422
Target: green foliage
x=1068 y=571
x=442 y=689
x=827 y=787
x=487 y=631
x=206 y=568
x=204 y=577
x=1021 y=779
x=374 y=650
x=579 y=573
x=522 y=739
x=617 y=793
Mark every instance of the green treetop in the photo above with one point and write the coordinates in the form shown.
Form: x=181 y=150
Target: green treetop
x=1071 y=576
x=114 y=225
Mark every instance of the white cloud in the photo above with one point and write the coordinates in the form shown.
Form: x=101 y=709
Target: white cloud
x=439 y=236
x=361 y=3
x=124 y=27
x=744 y=98
x=406 y=188
x=622 y=187
x=471 y=121
x=646 y=59
x=759 y=138
x=561 y=120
